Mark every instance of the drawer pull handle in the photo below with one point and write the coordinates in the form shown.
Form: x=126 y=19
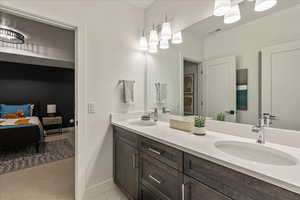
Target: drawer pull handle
x=154 y=151
x=133 y=161
x=182 y=192
x=154 y=179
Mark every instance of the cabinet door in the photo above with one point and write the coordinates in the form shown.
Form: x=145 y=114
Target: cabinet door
x=194 y=190
x=125 y=168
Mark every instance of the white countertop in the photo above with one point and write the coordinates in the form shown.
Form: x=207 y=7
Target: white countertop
x=287 y=177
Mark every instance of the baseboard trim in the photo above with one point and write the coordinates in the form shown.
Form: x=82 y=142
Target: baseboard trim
x=97 y=189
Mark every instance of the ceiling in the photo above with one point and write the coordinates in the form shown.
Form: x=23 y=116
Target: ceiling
x=140 y=3
x=44 y=43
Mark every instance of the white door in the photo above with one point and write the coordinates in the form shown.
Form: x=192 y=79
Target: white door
x=219 y=88
x=280 y=84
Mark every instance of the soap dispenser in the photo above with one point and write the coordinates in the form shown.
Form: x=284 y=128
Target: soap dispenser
x=155 y=115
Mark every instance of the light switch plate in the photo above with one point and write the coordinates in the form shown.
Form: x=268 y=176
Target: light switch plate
x=92 y=107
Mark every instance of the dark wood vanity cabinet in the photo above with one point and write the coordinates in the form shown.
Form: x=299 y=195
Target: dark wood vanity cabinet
x=160 y=178
x=195 y=190
x=148 y=170
x=126 y=171
x=236 y=185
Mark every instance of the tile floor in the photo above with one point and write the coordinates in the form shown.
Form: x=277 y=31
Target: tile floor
x=112 y=194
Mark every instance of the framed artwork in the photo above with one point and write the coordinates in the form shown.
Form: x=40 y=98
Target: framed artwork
x=188 y=105
x=188 y=83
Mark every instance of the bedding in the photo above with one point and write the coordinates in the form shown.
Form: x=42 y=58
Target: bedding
x=22 y=122
x=10 y=116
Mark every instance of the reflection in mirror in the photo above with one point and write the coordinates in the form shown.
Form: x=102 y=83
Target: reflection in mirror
x=234 y=72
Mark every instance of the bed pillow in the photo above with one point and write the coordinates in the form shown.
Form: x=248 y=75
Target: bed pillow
x=31 y=109
x=12 y=109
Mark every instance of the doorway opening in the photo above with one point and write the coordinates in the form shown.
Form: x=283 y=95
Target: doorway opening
x=38 y=106
x=192 y=88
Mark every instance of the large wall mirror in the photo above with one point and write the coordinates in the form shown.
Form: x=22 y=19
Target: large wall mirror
x=233 y=72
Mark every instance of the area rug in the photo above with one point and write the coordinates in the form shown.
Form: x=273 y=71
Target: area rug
x=20 y=158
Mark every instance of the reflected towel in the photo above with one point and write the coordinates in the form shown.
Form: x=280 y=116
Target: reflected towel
x=161 y=92
x=128 y=93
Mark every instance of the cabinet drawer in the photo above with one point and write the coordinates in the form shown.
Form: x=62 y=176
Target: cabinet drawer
x=168 y=155
x=126 y=136
x=194 y=190
x=147 y=194
x=160 y=178
x=232 y=183
x=52 y=120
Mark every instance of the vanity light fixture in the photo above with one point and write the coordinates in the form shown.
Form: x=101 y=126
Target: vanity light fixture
x=143 y=42
x=177 y=38
x=233 y=15
x=153 y=40
x=153 y=49
x=164 y=44
x=11 y=36
x=263 y=5
x=222 y=7
x=166 y=30
x=160 y=39
x=231 y=11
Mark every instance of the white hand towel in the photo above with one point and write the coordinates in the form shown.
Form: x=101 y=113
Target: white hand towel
x=128 y=92
x=161 y=93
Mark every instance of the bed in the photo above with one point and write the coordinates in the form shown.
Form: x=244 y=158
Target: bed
x=12 y=134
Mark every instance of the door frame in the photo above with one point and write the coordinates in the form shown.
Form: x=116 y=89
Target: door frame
x=80 y=87
x=266 y=68
x=181 y=79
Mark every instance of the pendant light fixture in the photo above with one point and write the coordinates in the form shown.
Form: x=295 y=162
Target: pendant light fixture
x=177 y=38
x=153 y=49
x=263 y=5
x=233 y=15
x=222 y=7
x=166 y=31
x=143 y=42
x=164 y=44
x=160 y=39
x=11 y=36
x=153 y=40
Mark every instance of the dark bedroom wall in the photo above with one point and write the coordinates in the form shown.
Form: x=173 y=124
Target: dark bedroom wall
x=39 y=85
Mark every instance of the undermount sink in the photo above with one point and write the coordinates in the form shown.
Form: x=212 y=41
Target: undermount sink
x=138 y=122
x=256 y=153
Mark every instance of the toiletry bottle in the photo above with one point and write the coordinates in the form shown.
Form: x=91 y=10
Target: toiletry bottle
x=155 y=115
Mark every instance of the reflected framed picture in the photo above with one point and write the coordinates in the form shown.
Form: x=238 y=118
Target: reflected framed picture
x=188 y=105
x=188 y=83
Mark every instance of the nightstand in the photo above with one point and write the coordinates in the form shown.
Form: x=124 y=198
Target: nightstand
x=52 y=121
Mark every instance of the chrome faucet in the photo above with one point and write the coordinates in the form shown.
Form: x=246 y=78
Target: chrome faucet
x=155 y=115
x=268 y=119
x=260 y=129
x=264 y=122
x=165 y=110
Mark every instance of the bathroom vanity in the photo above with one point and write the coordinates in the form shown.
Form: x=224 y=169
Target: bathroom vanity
x=147 y=169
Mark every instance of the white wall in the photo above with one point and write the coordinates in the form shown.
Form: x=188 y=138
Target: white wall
x=108 y=36
x=167 y=67
x=246 y=41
